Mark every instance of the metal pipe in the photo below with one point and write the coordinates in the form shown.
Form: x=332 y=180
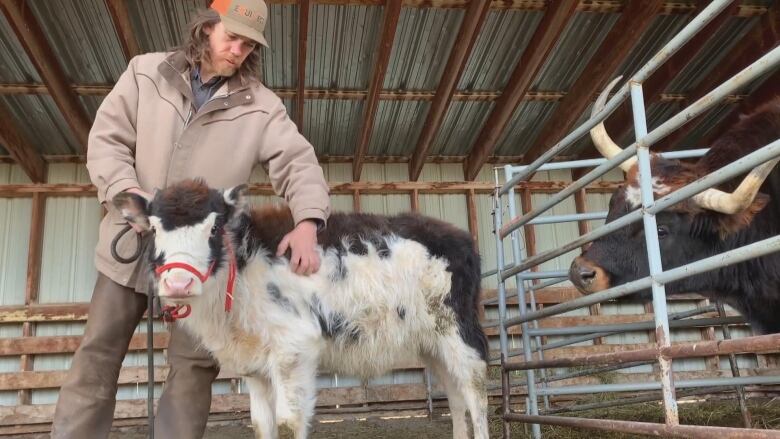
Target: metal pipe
x=534 y=287
x=620 y=402
x=741 y=254
x=661 y=430
x=755 y=70
x=696 y=24
x=503 y=343
x=760 y=343
x=689 y=31
x=591 y=336
x=681 y=384
x=662 y=332
x=743 y=409
x=555 y=219
x=569 y=140
x=719 y=176
x=590 y=163
x=590 y=177
x=637 y=326
x=533 y=405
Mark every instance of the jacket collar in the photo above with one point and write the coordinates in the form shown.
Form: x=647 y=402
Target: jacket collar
x=175 y=70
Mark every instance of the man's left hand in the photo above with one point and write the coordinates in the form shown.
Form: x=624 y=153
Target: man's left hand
x=302 y=241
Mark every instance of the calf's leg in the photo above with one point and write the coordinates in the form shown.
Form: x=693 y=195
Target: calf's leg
x=262 y=407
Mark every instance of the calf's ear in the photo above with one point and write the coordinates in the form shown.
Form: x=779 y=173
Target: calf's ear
x=237 y=198
x=134 y=208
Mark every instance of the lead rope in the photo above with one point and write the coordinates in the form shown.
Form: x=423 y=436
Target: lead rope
x=149 y=325
x=150 y=360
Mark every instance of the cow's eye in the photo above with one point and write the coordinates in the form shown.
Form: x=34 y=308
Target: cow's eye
x=663 y=232
x=214 y=230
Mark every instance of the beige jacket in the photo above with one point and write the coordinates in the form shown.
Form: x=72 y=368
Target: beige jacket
x=147 y=135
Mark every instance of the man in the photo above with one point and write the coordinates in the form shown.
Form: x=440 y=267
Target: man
x=197 y=112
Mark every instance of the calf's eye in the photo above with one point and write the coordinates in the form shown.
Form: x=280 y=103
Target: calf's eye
x=663 y=232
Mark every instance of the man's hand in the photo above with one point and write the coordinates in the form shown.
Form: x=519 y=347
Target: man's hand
x=137 y=191
x=303 y=243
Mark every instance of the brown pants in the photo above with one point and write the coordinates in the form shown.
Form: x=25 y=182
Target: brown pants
x=85 y=408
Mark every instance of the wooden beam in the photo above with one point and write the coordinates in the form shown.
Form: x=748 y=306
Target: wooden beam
x=392 y=12
x=349 y=95
x=30 y=35
x=762 y=38
x=620 y=122
x=471 y=210
x=627 y=31
x=22 y=152
x=303 y=36
x=124 y=29
x=467 y=35
x=35 y=248
x=546 y=35
x=401 y=187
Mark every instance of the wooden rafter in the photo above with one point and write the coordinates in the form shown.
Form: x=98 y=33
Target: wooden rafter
x=622 y=120
x=467 y=35
x=627 y=31
x=392 y=13
x=303 y=35
x=355 y=95
x=22 y=152
x=40 y=53
x=763 y=37
x=124 y=29
x=546 y=35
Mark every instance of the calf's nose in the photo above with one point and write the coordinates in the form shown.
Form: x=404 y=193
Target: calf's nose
x=178 y=286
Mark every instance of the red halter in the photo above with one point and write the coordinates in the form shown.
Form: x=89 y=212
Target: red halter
x=171 y=313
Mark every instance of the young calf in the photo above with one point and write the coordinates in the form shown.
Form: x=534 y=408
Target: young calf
x=389 y=290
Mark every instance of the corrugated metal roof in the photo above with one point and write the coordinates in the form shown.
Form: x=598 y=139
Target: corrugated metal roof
x=574 y=49
x=83 y=38
x=663 y=28
x=333 y=126
x=501 y=42
x=461 y=125
x=711 y=55
x=341 y=46
x=41 y=122
x=280 y=59
x=524 y=127
x=159 y=24
x=15 y=65
x=397 y=127
x=421 y=48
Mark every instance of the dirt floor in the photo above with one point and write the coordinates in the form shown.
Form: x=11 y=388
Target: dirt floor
x=765 y=414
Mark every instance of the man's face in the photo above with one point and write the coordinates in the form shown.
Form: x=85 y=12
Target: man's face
x=228 y=50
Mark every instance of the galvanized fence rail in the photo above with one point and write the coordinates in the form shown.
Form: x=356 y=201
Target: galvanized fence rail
x=664 y=352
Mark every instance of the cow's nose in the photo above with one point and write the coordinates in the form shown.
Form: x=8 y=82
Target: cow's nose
x=586 y=274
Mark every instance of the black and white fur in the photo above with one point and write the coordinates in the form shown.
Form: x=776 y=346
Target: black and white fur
x=389 y=290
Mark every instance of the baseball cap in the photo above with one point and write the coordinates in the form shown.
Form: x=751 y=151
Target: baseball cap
x=243 y=17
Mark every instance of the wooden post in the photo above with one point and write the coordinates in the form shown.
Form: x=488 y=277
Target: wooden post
x=33 y=281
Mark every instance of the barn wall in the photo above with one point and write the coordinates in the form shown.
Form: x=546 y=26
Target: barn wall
x=70 y=234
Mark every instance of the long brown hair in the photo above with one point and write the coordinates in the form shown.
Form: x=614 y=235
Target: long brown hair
x=196 y=49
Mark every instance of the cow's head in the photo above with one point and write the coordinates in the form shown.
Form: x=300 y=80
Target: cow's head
x=699 y=227
x=189 y=222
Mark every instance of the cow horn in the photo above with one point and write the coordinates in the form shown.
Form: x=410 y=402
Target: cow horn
x=606 y=146
x=742 y=197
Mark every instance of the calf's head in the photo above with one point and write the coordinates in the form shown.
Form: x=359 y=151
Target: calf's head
x=189 y=222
